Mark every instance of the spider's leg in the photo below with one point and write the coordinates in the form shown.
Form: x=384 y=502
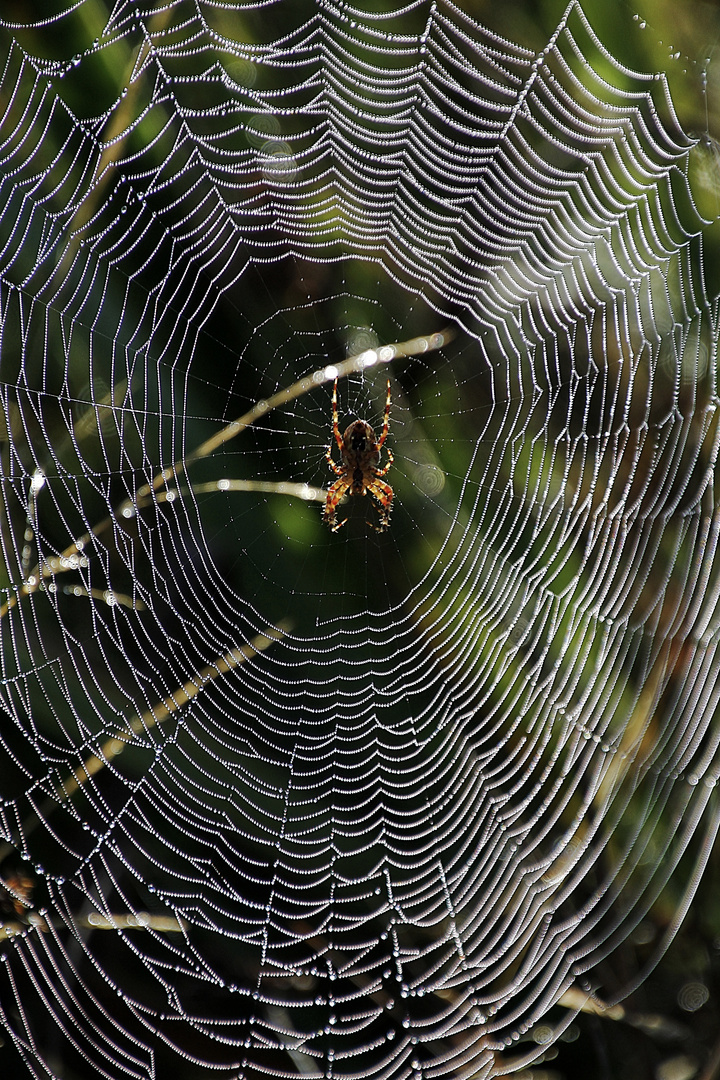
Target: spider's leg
x=381 y=472
x=337 y=469
x=336 y=429
x=383 y=494
x=334 y=495
x=386 y=418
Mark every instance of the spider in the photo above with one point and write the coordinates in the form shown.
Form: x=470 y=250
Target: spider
x=359 y=473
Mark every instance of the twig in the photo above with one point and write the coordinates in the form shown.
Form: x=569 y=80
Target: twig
x=73 y=555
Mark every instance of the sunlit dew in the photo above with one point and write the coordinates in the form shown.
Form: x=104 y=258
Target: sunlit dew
x=263 y=128
x=242 y=71
x=361 y=339
x=430 y=479
x=279 y=162
x=692 y=996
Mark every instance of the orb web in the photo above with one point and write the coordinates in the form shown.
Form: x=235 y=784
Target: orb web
x=279 y=800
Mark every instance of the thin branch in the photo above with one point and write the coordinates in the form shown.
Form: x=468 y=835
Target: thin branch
x=161 y=924
x=143 y=722
x=73 y=556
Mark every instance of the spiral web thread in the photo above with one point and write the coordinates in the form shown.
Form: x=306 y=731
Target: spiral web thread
x=281 y=801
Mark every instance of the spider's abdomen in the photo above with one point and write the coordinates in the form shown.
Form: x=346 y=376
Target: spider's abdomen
x=359 y=437
x=360 y=454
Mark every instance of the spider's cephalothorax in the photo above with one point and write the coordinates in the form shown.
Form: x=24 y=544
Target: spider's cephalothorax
x=359 y=473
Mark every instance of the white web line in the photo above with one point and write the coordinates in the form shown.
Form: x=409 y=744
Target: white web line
x=277 y=799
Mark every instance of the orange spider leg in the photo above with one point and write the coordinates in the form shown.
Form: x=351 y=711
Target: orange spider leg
x=386 y=419
x=381 y=472
x=337 y=469
x=336 y=429
x=383 y=494
x=334 y=495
